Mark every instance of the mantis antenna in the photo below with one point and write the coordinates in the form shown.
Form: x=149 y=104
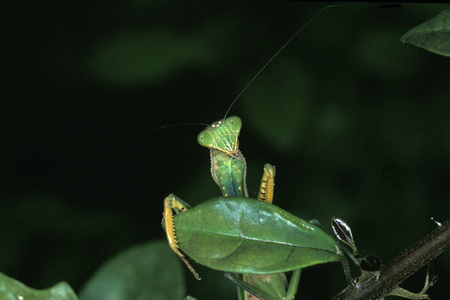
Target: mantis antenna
x=118 y=141
x=275 y=55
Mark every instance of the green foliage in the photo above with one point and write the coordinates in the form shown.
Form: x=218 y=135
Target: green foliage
x=130 y=58
x=11 y=289
x=149 y=271
x=356 y=123
x=289 y=104
x=267 y=240
x=432 y=35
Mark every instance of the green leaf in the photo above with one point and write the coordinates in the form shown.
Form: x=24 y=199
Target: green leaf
x=215 y=235
x=148 y=271
x=137 y=57
x=432 y=35
x=13 y=289
x=289 y=102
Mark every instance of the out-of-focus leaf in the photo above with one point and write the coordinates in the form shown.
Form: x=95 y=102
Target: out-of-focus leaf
x=432 y=35
x=149 y=271
x=282 y=94
x=135 y=57
x=13 y=289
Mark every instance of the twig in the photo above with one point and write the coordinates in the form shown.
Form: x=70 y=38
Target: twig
x=401 y=267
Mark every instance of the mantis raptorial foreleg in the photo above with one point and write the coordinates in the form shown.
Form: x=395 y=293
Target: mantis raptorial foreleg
x=170 y=203
x=267 y=184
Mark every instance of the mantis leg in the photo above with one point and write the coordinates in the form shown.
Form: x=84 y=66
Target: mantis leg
x=249 y=288
x=275 y=284
x=267 y=286
x=293 y=284
x=267 y=184
x=171 y=203
x=263 y=289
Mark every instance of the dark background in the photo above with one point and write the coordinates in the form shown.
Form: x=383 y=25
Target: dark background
x=356 y=122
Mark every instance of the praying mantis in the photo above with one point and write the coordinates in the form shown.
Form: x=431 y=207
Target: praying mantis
x=242 y=235
x=236 y=234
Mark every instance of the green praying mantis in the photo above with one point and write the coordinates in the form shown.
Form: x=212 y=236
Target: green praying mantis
x=237 y=234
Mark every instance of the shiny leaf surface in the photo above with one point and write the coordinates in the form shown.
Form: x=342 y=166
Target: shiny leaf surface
x=245 y=235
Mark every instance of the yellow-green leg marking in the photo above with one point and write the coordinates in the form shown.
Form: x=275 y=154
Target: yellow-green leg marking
x=171 y=203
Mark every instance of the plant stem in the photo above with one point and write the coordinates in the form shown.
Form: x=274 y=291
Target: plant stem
x=401 y=267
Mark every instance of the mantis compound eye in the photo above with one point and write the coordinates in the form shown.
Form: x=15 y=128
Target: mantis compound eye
x=206 y=139
x=234 y=123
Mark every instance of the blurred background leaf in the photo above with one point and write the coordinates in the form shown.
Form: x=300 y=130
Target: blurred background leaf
x=136 y=57
x=147 y=271
x=13 y=289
